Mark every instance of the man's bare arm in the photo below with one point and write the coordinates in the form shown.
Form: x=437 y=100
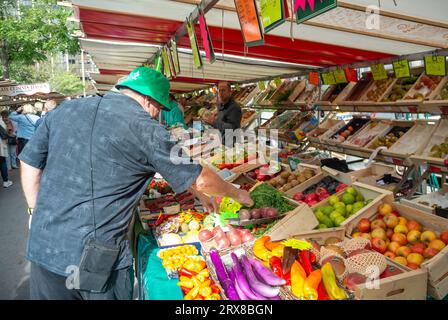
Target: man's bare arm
x=30 y=177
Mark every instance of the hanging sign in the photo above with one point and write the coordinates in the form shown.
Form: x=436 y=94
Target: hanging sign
x=27 y=89
x=435 y=65
x=166 y=63
x=339 y=76
x=314 y=78
x=194 y=45
x=158 y=63
x=272 y=13
x=401 y=68
x=277 y=82
x=378 y=72
x=261 y=85
x=250 y=22
x=351 y=75
x=328 y=78
x=308 y=9
x=206 y=39
x=175 y=56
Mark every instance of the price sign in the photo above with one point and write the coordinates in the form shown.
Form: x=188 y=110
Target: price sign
x=435 y=65
x=339 y=76
x=401 y=69
x=272 y=13
x=250 y=22
x=328 y=78
x=351 y=74
x=261 y=85
x=379 y=72
x=314 y=78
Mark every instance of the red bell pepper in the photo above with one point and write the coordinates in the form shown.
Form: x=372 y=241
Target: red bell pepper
x=313 y=258
x=321 y=292
x=276 y=265
x=305 y=261
x=185 y=290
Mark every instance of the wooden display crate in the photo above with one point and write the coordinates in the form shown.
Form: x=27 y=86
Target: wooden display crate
x=365 y=97
x=371 y=174
x=415 y=203
x=298 y=89
x=370 y=130
x=335 y=142
x=308 y=95
x=377 y=195
x=322 y=128
x=409 y=285
x=341 y=96
x=437 y=267
x=394 y=124
x=412 y=141
x=432 y=93
x=308 y=183
x=359 y=90
x=437 y=137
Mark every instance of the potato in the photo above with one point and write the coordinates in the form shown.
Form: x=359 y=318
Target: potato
x=294 y=183
x=285 y=175
x=287 y=186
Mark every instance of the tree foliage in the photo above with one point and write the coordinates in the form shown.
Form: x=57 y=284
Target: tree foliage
x=28 y=34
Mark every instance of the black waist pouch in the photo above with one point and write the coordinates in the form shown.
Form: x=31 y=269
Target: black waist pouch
x=97 y=265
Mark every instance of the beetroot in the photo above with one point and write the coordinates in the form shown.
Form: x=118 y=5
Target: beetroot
x=298 y=196
x=311 y=197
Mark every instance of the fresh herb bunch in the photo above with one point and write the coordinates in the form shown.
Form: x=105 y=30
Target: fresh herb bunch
x=265 y=196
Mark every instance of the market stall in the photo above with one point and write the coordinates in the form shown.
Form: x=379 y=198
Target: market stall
x=331 y=89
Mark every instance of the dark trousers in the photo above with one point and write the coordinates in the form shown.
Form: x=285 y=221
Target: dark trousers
x=4 y=168
x=21 y=143
x=46 y=285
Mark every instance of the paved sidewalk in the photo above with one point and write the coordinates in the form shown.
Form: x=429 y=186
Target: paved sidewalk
x=14 y=276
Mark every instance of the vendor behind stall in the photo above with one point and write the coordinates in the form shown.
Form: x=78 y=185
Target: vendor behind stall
x=83 y=173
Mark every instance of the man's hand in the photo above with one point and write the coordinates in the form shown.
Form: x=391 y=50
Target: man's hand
x=244 y=198
x=208 y=203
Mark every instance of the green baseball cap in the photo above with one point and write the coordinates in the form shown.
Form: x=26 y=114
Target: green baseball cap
x=148 y=82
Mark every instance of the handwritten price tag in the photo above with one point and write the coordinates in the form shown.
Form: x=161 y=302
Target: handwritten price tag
x=277 y=82
x=339 y=76
x=379 y=72
x=401 y=69
x=435 y=65
x=328 y=78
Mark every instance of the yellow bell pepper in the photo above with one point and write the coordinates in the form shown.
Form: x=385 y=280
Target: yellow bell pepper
x=330 y=284
x=311 y=284
x=204 y=273
x=298 y=277
x=205 y=291
x=187 y=283
x=278 y=251
x=260 y=250
x=194 y=292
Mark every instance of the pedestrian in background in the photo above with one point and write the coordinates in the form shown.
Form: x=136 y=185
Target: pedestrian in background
x=26 y=119
x=4 y=154
x=11 y=128
x=48 y=106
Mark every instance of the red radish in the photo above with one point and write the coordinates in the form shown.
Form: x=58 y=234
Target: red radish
x=298 y=196
x=311 y=197
x=312 y=203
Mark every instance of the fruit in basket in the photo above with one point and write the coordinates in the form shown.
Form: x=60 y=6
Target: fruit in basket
x=437 y=244
x=403 y=251
x=390 y=220
x=418 y=248
x=354 y=279
x=379 y=233
x=366 y=236
x=348 y=198
x=389 y=233
x=390 y=254
x=413 y=236
x=379 y=244
x=444 y=236
x=332 y=200
x=414 y=225
x=399 y=238
x=430 y=253
x=378 y=223
x=401 y=229
x=428 y=236
x=364 y=225
x=384 y=209
x=401 y=260
x=393 y=246
x=415 y=258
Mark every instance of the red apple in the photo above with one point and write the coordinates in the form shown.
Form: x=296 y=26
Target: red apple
x=413 y=266
x=364 y=225
x=390 y=220
x=430 y=252
x=418 y=248
x=379 y=233
x=379 y=245
x=390 y=271
x=414 y=225
x=378 y=223
x=395 y=213
x=389 y=233
x=444 y=236
x=390 y=254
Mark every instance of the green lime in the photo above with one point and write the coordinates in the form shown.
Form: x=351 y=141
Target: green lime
x=359 y=197
x=327 y=210
x=332 y=200
x=327 y=221
x=338 y=221
x=334 y=215
x=322 y=226
x=320 y=215
x=351 y=191
x=348 y=198
x=349 y=209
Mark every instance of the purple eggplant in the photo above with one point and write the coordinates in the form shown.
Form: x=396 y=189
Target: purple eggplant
x=242 y=281
x=223 y=277
x=257 y=286
x=265 y=274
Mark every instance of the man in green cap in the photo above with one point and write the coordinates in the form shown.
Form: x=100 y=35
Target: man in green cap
x=83 y=173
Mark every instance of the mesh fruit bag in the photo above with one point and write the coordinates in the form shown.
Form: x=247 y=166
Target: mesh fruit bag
x=367 y=263
x=326 y=253
x=350 y=245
